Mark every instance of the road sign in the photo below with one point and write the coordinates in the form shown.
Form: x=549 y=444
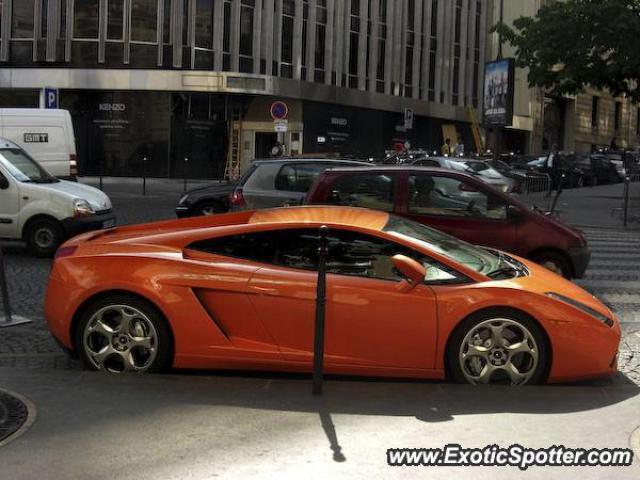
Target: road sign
x=279 y=110
x=408 y=118
x=50 y=97
x=281 y=126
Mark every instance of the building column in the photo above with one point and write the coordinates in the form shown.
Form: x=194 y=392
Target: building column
x=311 y=40
x=257 y=36
x=329 y=37
x=218 y=34
x=234 y=25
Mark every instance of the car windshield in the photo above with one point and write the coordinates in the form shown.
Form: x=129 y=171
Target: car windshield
x=477 y=166
x=23 y=168
x=475 y=258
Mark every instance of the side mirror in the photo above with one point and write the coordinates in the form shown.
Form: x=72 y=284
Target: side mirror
x=412 y=270
x=4 y=183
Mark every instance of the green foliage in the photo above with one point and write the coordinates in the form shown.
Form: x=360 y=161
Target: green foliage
x=572 y=44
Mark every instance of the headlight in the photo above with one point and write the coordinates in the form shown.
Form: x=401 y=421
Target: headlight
x=81 y=208
x=183 y=199
x=581 y=306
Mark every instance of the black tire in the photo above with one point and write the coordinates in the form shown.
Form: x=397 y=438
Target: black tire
x=164 y=344
x=555 y=262
x=538 y=374
x=208 y=208
x=44 y=236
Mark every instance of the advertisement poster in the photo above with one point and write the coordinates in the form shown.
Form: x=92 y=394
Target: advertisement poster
x=498 y=93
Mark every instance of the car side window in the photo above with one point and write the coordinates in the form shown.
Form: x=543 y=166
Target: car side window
x=376 y=191
x=299 y=177
x=444 y=196
x=350 y=253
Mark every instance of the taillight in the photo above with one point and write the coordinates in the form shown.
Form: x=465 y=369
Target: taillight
x=65 y=252
x=237 y=198
x=73 y=164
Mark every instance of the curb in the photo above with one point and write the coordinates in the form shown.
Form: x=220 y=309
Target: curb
x=31 y=417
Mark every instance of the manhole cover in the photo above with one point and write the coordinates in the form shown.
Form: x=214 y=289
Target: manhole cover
x=14 y=413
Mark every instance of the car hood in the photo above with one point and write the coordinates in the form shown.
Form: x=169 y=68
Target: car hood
x=543 y=281
x=73 y=190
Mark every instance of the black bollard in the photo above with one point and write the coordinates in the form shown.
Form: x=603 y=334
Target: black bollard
x=186 y=161
x=321 y=301
x=144 y=176
x=4 y=290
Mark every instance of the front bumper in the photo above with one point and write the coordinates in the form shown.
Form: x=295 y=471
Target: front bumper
x=580 y=257
x=76 y=225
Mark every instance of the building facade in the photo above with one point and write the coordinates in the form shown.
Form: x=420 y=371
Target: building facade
x=188 y=84
x=582 y=123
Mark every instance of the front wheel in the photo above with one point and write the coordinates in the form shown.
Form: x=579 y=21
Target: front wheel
x=124 y=334
x=554 y=262
x=209 y=208
x=504 y=348
x=44 y=236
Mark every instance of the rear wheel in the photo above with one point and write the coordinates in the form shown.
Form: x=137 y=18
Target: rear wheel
x=209 y=208
x=555 y=262
x=44 y=236
x=121 y=334
x=498 y=347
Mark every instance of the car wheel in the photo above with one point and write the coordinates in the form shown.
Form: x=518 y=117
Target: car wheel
x=121 y=334
x=209 y=208
x=44 y=236
x=498 y=347
x=554 y=262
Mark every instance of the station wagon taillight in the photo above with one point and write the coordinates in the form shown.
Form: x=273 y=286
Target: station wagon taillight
x=237 y=198
x=73 y=164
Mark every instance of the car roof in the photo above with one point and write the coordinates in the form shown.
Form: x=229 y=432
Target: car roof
x=283 y=161
x=334 y=215
x=397 y=168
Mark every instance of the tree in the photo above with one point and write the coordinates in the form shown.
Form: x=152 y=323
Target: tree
x=572 y=44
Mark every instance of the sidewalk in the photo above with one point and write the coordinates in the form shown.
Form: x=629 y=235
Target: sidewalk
x=598 y=207
x=95 y=426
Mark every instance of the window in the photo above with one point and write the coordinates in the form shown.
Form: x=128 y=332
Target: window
x=85 y=19
x=115 y=20
x=433 y=47
x=144 y=15
x=321 y=31
x=226 y=37
x=354 y=42
x=246 y=35
x=457 y=49
x=443 y=196
x=349 y=253
x=595 y=103
x=407 y=89
x=203 y=35
x=298 y=178
x=22 y=19
x=286 y=54
x=367 y=190
x=476 y=55
x=382 y=46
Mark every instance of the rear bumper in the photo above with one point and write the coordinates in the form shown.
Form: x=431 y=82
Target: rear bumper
x=580 y=258
x=76 y=225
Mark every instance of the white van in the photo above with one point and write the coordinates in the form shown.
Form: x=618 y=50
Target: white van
x=46 y=135
x=43 y=210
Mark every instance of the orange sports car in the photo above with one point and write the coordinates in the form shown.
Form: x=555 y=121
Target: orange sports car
x=237 y=291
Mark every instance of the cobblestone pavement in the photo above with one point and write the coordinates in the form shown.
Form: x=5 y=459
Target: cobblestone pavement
x=613 y=276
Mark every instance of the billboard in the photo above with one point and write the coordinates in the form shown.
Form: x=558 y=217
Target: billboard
x=498 y=93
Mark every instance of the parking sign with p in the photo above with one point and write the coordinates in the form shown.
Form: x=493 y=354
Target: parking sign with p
x=50 y=97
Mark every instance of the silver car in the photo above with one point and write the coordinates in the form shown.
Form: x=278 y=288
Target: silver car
x=282 y=182
x=478 y=168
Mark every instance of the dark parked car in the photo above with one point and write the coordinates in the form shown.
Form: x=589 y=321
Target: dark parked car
x=461 y=205
x=208 y=200
x=573 y=176
x=598 y=169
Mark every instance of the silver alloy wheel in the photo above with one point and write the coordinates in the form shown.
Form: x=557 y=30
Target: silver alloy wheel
x=120 y=338
x=499 y=350
x=43 y=238
x=208 y=210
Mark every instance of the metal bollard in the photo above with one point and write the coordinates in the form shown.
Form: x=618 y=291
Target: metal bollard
x=625 y=208
x=144 y=176
x=10 y=320
x=321 y=301
x=186 y=161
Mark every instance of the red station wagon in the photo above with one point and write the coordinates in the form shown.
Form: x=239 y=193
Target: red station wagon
x=460 y=205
